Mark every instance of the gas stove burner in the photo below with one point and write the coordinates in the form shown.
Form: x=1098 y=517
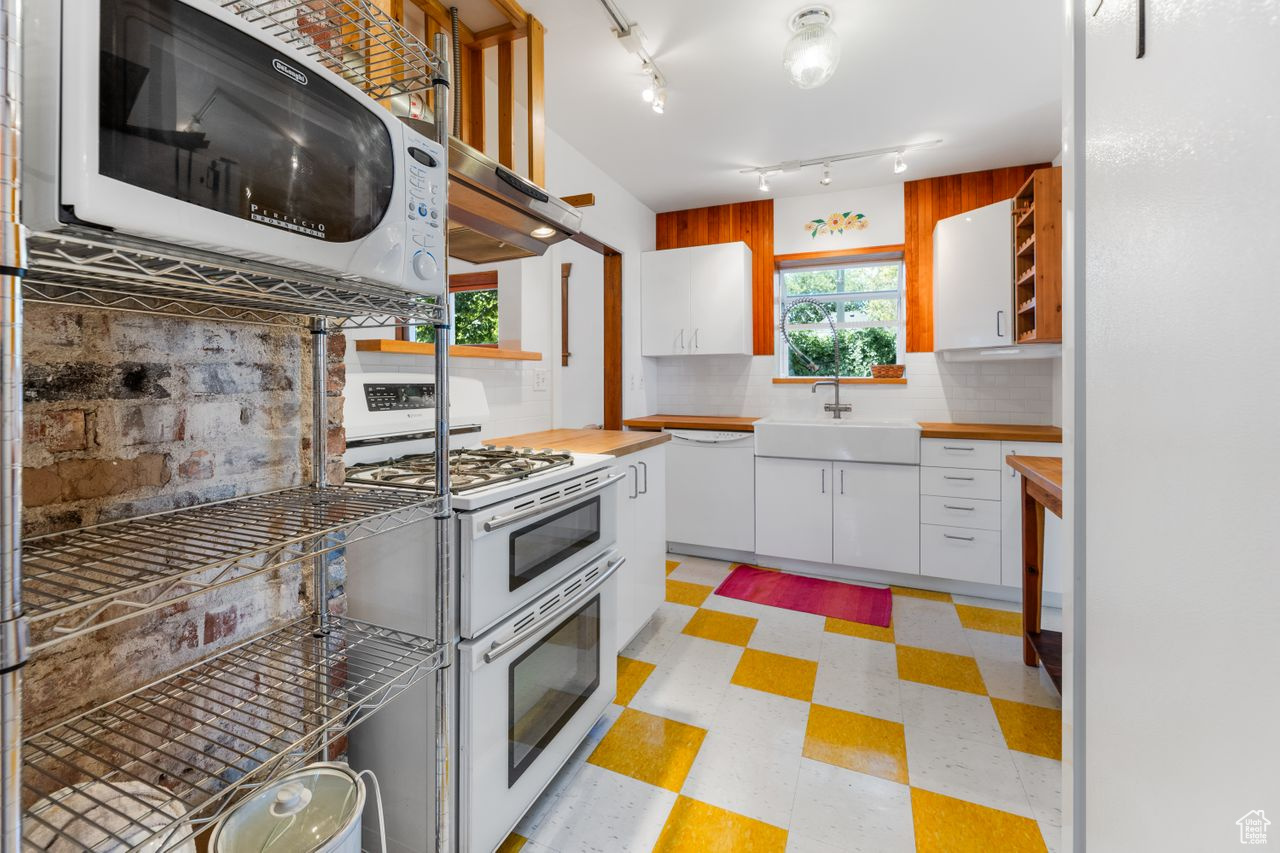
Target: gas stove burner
x=468 y=469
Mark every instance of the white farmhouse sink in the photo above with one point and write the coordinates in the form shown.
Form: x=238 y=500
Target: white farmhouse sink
x=842 y=440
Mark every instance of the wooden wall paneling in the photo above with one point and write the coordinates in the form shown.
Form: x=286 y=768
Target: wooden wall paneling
x=536 y=101
x=612 y=340
x=506 y=105
x=926 y=201
x=473 y=97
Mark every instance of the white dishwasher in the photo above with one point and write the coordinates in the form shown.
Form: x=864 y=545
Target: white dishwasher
x=711 y=489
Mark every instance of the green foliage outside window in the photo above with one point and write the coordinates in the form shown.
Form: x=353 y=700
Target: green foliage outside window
x=859 y=349
x=475 y=319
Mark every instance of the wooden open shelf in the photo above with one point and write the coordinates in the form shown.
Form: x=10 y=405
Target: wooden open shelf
x=1048 y=646
x=456 y=351
x=1037 y=256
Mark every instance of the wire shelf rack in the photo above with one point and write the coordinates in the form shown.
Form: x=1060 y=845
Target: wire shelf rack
x=352 y=38
x=81 y=580
x=124 y=274
x=157 y=767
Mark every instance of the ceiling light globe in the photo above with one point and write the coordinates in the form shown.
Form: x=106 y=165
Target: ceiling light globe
x=813 y=52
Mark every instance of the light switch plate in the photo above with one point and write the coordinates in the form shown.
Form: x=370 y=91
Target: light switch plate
x=540 y=379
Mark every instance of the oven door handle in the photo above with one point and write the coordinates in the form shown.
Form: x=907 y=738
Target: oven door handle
x=500 y=521
x=497 y=650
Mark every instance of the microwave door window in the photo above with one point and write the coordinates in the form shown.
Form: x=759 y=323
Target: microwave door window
x=549 y=683
x=193 y=109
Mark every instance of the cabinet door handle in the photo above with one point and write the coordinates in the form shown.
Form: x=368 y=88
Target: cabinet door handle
x=645 y=466
x=842 y=481
x=695 y=338
x=824 y=481
x=951 y=477
x=953 y=536
x=957 y=447
x=635 y=482
x=999 y=334
x=965 y=508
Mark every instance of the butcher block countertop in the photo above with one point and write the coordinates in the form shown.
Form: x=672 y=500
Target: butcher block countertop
x=610 y=442
x=1043 y=471
x=716 y=422
x=991 y=432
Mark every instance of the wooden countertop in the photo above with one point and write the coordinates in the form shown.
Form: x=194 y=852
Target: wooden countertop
x=1043 y=471
x=610 y=442
x=716 y=422
x=992 y=432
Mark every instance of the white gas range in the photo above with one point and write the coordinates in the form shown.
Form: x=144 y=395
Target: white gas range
x=534 y=548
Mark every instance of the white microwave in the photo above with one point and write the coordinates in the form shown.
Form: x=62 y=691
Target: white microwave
x=178 y=121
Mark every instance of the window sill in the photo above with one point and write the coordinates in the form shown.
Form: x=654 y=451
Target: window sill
x=847 y=380
x=415 y=348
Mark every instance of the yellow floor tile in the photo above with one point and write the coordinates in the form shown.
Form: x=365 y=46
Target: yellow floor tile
x=513 y=844
x=649 y=748
x=986 y=619
x=858 y=629
x=696 y=827
x=856 y=742
x=780 y=674
x=947 y=825
x=921 y=593
x=941 y=669
x=1030 y=728
x=683 y=592
x=671 y=565
x=722 y=627
x=631 y=677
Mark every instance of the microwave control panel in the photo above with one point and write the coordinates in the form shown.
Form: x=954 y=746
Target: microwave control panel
x=426 y=170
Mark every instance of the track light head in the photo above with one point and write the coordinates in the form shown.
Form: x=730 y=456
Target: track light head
x=899 y=165
x=826 y=175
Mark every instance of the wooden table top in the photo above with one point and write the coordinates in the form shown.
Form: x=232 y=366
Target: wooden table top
x=992 y=432
x=1044 y=471
x=610 y=442
x=715 y=422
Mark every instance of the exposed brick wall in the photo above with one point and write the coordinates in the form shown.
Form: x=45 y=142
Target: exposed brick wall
x=127 y=414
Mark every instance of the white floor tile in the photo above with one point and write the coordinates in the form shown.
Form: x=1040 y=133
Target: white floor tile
x=787 y=632
x=736 y=606
x=857 y=676
x=1019 y=682
x=1052 y=837
x=1042 y=780
x=952 y=712
x=655 y=639
x=699 y=570
x=764 y=718
x=746 y=777
x=604 y=812
x=993 y=646
x=965 y=769
x=800 y=844
x=928 y=625
x=852 y=812
x=689 y=683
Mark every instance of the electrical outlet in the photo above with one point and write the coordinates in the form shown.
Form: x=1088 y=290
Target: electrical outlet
x=541 y=379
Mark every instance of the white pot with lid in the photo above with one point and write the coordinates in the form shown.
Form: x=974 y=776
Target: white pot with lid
x=315 y=809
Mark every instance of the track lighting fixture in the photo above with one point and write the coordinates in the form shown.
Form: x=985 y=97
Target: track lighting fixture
x=764 y=183
x=659 y=102
x=631 y=38
x=899 y=165
x=826 y=175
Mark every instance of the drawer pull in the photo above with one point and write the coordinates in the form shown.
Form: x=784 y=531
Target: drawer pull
x=953 y=477
x=950 y=447
x=965 y=508
x=953 y=536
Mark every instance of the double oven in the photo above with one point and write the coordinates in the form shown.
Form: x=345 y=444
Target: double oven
x=537 y=559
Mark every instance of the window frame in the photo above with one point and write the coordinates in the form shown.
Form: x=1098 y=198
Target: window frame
x=783 y=352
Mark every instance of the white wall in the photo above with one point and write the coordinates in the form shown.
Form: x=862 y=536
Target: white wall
x=882 y=206
x=1177 y=407
x=580 y=401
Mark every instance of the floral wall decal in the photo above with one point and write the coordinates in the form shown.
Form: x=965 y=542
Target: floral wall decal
x=836 y=223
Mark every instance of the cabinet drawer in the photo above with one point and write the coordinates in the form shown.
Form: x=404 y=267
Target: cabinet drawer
x=960 y=453
x=960 y=483
x=960 y=512
x=960 y=553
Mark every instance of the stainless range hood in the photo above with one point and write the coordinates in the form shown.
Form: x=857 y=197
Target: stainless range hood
x=494 y=213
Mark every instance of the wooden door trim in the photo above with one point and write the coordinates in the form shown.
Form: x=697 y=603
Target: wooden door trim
x=612 y=327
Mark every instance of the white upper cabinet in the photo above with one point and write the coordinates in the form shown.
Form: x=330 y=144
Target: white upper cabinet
x=972 y=274
x=697 y=301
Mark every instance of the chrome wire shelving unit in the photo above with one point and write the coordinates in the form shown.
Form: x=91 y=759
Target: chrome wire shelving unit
x=209 y=734
x=155 y=768
x=86 y=579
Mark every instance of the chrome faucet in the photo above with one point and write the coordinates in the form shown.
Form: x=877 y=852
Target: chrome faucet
x=837 y=408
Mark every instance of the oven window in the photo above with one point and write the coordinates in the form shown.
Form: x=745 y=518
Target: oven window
x=553 y=539
x=193 y=109
x=549 y=683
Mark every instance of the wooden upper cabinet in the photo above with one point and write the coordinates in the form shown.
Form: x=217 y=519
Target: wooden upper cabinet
x=1037 y=258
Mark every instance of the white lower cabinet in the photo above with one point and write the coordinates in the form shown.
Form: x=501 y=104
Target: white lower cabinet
x=960 y=553
x=642 y=539
x=793 y=509
x=876 y=516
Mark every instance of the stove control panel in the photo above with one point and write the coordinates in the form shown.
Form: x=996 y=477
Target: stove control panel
x=391 y=397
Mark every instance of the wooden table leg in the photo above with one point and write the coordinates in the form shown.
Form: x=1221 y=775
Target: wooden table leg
x=1032 y=576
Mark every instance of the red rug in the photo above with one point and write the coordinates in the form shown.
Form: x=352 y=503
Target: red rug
x=809 y=595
